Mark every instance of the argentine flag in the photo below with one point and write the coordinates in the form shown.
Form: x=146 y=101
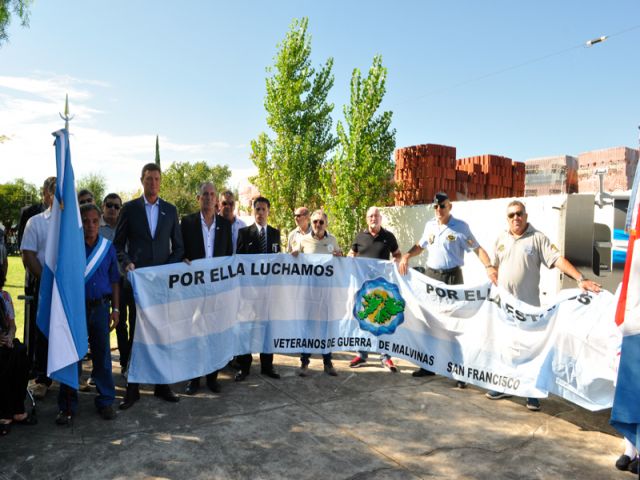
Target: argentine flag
x=61 y=308
x=625 y=415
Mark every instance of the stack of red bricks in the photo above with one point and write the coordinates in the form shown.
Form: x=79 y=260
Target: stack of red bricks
x=490 y=176
x=423 y=170
x=551 y=176
x=620 y=164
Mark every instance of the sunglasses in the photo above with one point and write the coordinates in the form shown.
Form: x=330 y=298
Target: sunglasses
x=441 y=206
x=112 y=205
x=84 y=201
x=318 y=222
x=225 y=203
x=519 y=213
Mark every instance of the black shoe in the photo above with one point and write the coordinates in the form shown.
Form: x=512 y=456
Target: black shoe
x=213 y=385
x=623 y=463
x=107 y=413
x=192 y=387
x=165 y=393
x=241 y=376
x=422 y=373
x=131 y=396
x=633 y=466
x=64 y=418
x=271 y=373
x=461 y=385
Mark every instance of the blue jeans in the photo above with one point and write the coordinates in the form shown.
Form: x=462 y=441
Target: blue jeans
x=304 y=358
x=365 y=355
x=98 y=328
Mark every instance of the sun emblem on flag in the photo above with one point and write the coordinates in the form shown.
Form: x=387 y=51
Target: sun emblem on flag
x=379 y=307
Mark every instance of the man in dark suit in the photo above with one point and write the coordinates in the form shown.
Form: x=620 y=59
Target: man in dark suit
x=147 y=234
x=258 y=238
x=206 y=235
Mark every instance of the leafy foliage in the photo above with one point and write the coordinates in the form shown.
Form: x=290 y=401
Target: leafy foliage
x=298 y=114
x=19 y=8
x=181 y=180
x=360 y=174
x=14 y=196
x=95 y=183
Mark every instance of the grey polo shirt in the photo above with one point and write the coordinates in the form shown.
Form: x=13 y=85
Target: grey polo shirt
x=518 y=261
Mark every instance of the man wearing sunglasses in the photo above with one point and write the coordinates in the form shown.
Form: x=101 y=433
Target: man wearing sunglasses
x=318 y=240
x=111 y=206
x=518 y=254
x=227 y=210
x=303 y=227
x=85 y=197
x=446 y=240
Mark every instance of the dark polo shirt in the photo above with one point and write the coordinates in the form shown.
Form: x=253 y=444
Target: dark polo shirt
x=381 y=246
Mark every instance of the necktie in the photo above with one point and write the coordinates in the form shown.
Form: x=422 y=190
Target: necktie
x=263 y=240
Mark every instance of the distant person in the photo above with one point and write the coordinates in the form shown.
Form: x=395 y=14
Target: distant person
x=375 y=242
x=206 y=235
x=318 y=240
x=147 y=234
x=446 y=240
x=303 y=227
x=227 y=210
x=33 y=248
x=258 y=238
x=111 y=206
x=102 y=299
x=85 y=196
x=518 y=254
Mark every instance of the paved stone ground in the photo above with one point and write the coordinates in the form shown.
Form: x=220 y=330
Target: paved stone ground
x=366 y=423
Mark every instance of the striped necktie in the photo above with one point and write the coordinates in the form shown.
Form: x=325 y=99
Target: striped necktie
x=263 y=240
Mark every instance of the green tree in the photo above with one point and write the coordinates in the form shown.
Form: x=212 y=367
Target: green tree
x=19 y=8
x=14 y=196
x=95 y=183
x=299 y=116
x=181 y=180
x=360 y=174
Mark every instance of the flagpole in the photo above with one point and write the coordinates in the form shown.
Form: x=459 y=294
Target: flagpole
x=66 y=117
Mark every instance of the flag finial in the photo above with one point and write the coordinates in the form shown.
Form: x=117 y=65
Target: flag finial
x=66 y=116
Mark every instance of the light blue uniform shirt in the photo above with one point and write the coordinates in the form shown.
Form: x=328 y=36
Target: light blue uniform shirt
x=446 y=244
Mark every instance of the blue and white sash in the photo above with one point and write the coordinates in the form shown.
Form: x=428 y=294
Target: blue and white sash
x=95 y=259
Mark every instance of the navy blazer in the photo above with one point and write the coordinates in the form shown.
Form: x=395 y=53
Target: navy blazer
x=133 y=240
x=249 y=239
x=191 y=227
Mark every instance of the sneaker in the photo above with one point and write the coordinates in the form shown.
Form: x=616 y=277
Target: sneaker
x=533 y=404
x=304 y=370
x=493 y=395
x=357 y=362
x=84 y=386
x=329 y=370
x=64 y=418
x=39 y=390
x=422 y=373
x=461 y=385
x=107 y=413
x=387 y=363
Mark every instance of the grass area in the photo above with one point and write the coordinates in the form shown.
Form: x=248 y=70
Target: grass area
x=15 y=286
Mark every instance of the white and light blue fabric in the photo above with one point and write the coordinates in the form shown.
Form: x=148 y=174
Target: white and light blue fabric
x=193 y=319
x=95 y=259
x=61 y=310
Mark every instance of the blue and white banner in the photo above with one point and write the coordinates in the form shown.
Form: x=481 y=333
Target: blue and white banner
x=61 y=310
x=192 y=319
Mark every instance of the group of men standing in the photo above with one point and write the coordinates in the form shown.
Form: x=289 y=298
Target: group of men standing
x=147 y=232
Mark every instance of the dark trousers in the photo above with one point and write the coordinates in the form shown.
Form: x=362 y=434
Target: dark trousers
x=305 y=358
x=450 y=277
x=98 y=328
x=38 y=344
x=124 y=334
x=14 y=374
x=244 y=361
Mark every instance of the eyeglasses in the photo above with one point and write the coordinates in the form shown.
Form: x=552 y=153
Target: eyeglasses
x=440 y=206
x=112 y=205
x=519 y=213
x=84 y=201
x=225 y=203
x=318 y=222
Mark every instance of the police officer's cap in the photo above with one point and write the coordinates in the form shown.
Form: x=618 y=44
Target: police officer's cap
x=440 y=197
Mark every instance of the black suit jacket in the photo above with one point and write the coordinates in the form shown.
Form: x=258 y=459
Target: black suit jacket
x=133 y=240
x=193 y=238
x=249 y=239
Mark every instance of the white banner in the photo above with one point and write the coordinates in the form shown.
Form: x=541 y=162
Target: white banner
x=193 y=319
